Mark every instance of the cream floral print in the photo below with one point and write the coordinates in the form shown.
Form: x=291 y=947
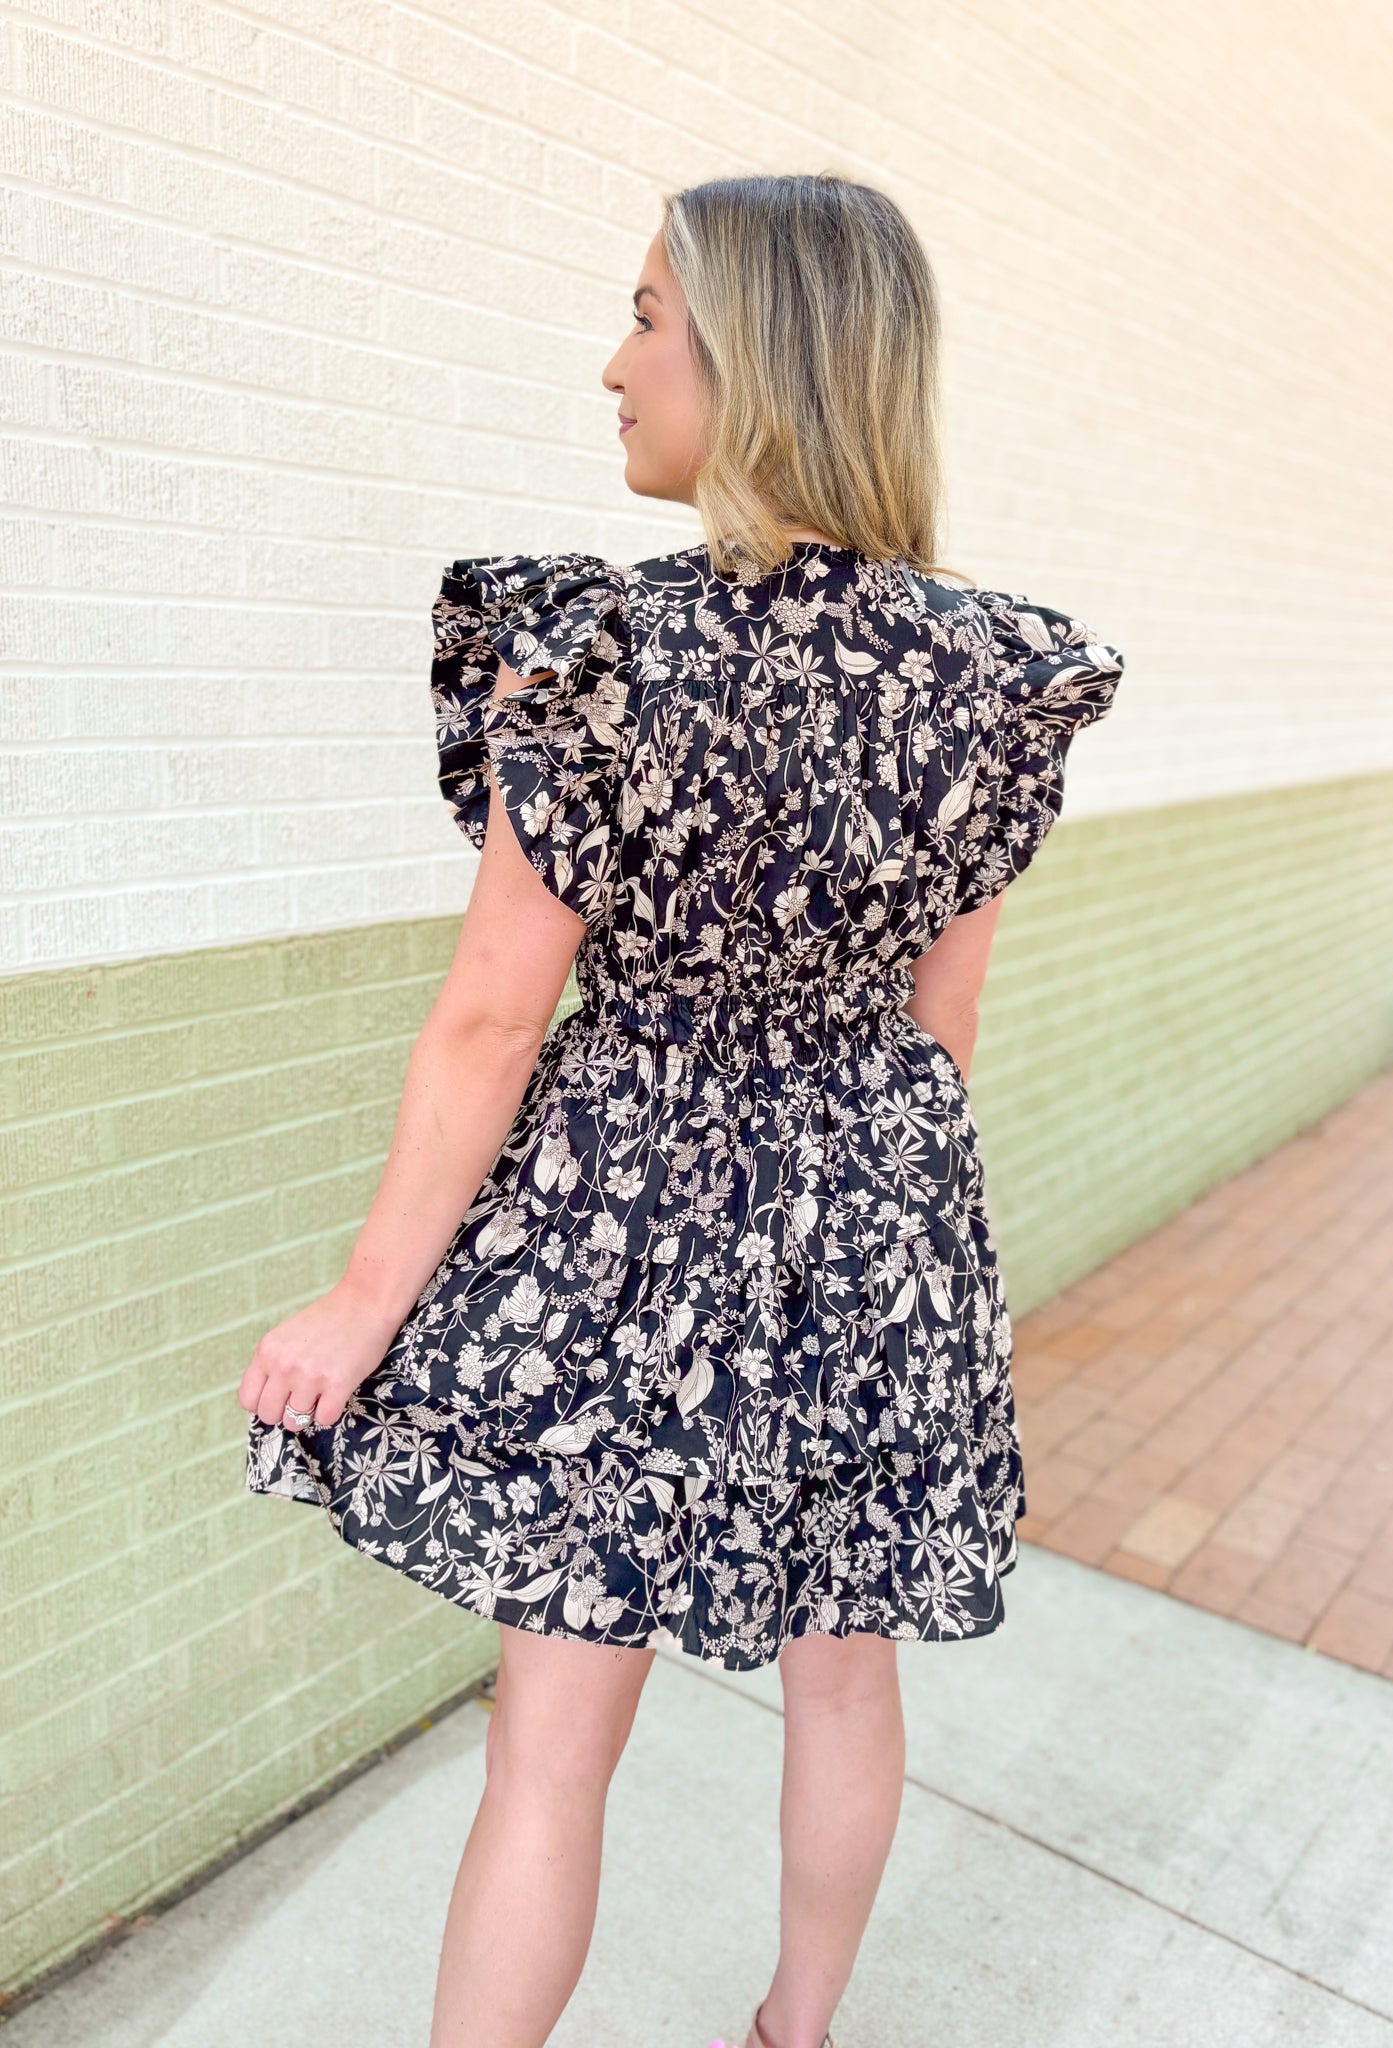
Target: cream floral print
x=719 y=1354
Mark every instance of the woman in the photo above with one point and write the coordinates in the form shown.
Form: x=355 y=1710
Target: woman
x=717 y=1357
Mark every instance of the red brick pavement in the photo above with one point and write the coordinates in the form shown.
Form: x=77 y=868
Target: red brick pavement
x=1211 y=1413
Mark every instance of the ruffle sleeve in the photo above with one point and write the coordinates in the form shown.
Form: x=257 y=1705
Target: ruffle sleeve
x=557 y=744
x=1047 y=678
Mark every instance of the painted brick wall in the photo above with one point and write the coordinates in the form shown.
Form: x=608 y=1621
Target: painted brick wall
x=304 y=299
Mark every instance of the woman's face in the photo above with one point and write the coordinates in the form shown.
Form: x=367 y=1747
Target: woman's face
x=655 y=378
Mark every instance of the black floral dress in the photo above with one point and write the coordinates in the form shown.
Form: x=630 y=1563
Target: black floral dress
x=719 y=1354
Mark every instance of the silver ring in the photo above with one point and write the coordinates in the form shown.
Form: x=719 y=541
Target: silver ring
x=294 y=1415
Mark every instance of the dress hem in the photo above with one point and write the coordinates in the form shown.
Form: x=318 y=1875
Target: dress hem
x=661 y=1636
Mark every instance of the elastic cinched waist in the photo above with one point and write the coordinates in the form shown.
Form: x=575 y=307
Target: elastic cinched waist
x=751 y=1012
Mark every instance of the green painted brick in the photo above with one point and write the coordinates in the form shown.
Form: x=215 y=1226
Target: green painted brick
x=43 y=1554
x=192 y=1142
x=107 y=1617
x=55 y=1146
x=64 y=1913
x=1172 y=995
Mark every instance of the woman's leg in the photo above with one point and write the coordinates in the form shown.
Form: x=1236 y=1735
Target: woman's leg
x=842 y=1783
x=523 y=1906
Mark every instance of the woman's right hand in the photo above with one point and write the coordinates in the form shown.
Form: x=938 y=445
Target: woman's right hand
x=316 y=1359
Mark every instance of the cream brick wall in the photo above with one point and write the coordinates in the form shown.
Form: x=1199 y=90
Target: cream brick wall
x=304 y=297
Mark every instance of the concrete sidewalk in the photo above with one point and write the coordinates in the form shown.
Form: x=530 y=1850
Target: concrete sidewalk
x=1128 y=1822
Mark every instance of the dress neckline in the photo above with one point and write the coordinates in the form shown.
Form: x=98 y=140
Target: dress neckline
x=827 y=547
x=799 y=551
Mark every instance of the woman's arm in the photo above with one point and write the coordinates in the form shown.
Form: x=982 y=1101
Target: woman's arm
x=465 y=1079
x=948 y=980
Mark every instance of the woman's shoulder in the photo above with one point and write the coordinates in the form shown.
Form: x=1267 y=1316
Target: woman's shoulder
x=534 y=611
x=677 y=571
x=542 y=609
x=546 y=609
x=499 y=584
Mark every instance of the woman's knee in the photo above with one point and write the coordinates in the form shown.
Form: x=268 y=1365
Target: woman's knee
x=832 y=1674
x=563 y=1709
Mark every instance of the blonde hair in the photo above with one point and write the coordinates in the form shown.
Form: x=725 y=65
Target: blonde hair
x=814 y=326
